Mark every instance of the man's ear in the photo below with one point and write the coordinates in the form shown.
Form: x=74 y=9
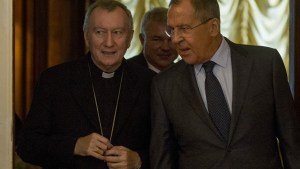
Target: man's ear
x=142 y=38
x=130 y=38
x=214 y=27
x=86 y=39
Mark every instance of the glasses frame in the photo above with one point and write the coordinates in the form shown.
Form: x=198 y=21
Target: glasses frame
x=171 y=31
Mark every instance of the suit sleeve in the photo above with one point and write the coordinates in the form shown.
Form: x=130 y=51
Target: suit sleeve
x=163 y=149
x=288 y=122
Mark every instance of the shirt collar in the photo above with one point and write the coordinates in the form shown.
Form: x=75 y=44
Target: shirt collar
x=152 y=67
x=220 y=57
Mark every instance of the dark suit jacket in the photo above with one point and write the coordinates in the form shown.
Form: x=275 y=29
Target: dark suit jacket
x=183 y=135
x=140 y=59
x=63 y=110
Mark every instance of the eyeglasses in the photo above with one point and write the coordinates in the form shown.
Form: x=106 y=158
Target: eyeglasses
x=183 y=30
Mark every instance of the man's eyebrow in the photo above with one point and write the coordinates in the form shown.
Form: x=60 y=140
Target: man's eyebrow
x=177 y=26
x=156 y=36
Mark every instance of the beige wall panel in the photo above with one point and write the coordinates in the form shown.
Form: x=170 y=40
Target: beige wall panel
x=6 y=85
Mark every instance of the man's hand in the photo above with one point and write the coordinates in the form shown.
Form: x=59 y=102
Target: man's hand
x=92 y=145
x=119 y=157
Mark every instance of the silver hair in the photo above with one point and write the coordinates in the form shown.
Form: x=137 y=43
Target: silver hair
x=204 y=9
x=109 y=5
x=158 y=14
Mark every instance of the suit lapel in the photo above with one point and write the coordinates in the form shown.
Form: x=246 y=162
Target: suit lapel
x=241 y=70
x=187 y=84
x=142 y=60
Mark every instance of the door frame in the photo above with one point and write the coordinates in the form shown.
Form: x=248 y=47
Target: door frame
x=6 y=84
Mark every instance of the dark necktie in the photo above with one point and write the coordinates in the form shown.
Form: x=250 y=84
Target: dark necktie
x=216 y=103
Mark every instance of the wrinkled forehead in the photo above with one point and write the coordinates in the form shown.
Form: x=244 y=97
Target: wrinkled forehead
x=112 y=18
x=156 y=29
x=180 y=13
x=153 y=24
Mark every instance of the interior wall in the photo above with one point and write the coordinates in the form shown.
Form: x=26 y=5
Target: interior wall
x=47 y=33
x=65 y=34
x=6 y=85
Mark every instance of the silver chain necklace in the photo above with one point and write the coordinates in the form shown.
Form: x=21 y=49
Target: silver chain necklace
x=97 y=108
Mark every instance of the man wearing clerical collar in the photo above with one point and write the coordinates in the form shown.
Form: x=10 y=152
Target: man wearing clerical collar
x=92 y=112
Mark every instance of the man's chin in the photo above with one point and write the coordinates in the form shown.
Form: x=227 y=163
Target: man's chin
x=188 y=59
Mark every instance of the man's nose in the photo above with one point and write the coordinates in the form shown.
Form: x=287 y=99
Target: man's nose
x=165 y=45
x=109 y=40
x=176 y=37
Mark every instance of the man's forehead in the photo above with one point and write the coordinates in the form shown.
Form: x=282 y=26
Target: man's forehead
x=178 y=15
x=103 y=18
x=103 y=13
x=104 y=10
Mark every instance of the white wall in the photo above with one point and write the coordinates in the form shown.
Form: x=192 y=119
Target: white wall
x=6 y=84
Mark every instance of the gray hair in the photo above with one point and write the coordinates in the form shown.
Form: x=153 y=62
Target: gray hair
x=109 y=5
x=158 y=14
x=204 y=9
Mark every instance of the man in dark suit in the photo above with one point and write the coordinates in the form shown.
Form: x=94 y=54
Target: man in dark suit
x=254 y=125
x=93 y=112
x=158 y=52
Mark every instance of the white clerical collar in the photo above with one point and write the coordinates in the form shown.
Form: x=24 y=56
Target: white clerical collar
x=108 y=75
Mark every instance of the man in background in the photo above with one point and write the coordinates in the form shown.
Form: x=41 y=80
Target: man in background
x=158 y=53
